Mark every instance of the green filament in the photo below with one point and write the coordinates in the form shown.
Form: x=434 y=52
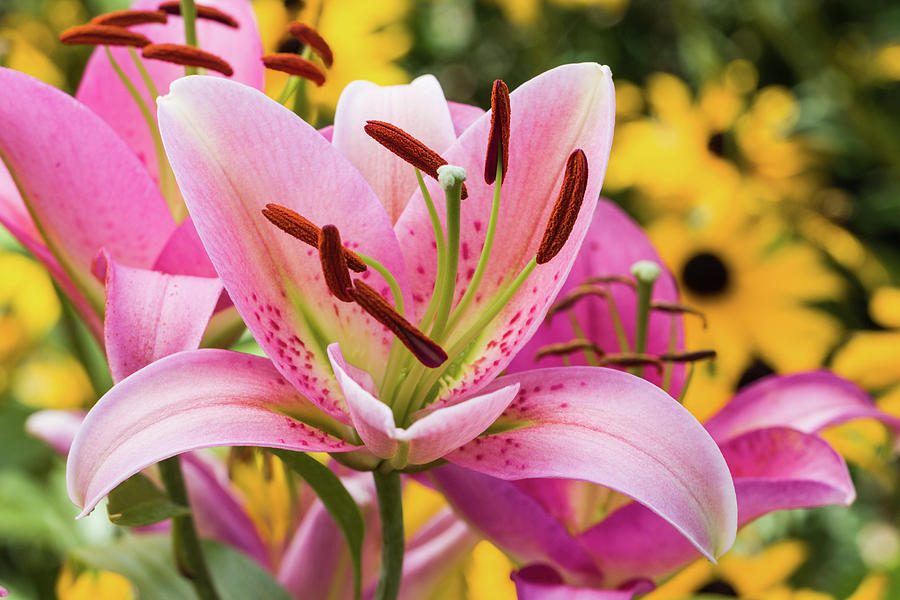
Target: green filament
x=189 y=14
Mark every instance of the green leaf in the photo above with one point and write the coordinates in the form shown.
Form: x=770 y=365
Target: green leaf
x=138 y=502
x=146 y=560
x=340 y=504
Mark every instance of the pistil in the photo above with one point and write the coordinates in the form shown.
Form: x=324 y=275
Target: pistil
x=646 y=273
x=451 y=179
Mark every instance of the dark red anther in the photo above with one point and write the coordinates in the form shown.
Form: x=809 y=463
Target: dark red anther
x=624 y=280
x=295 y=65
x=304 y=230
x=565 y=211
x=128 y=18
x=334 y=263
x=426 y=350
x=312 y=38
x=102 y=35
x=181 y=54
x=203 y=12
x=498 y=142
x=631 y=359
x=567 y=348
x=672 y=307
x=571 y=299
x=408 y=148
x=688 y=356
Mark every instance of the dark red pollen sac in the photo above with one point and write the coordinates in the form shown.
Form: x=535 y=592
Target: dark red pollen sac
x=128 y=18
x=498 y=142
x=295 y=65
x=306 y=231
x=567 y=348
x=631 y=359
x=181 y=54
x=103 y=35
x=408 y=148
x=675 y=308
x=565 y=211
x=688 y=356
x=334 y=263
x=312 y=38
x=209 y=13
x=426 y=350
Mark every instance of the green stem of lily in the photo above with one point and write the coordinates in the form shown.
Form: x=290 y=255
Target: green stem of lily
x=176 y=206
x=189 y=14
x=389 y=278
x=485 y=252
x=589 y=354
x=290 y=87
x=669 y=368
x=441 y=244
x=687 y=382
x=624 y=345
x=646 y=273
x=446 y=288
x=302 y=107
x=390 y=509
x=188 y=551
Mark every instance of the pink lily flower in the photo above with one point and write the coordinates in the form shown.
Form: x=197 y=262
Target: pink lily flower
x=767 y=434
x=330 y=382
x=81 y=175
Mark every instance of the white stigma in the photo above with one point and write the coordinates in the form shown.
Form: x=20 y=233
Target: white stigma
x=646 y=271
x=450 y=176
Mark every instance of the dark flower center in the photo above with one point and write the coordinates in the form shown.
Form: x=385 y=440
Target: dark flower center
x=705 y=274
x=754 y=371
x=716 y=144
x=718 y=587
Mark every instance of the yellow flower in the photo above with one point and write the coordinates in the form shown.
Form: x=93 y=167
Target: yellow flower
x=92 y=585
x=368 y=38
x=754 y=285
x=527 y=12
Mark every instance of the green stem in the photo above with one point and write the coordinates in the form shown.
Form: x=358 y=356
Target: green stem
x=485 y=253
x=645 y=273
x=624 y=345
x=290 y=87
x=589 y=354
x=186 y=544
x=302 y=106
x=446 y=289
x=189 y=14
x=390 y=509
x=389 y=278
x=441 y=244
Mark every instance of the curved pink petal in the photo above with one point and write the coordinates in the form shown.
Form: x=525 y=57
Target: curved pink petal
x=150 y=315
x=233 y=151
x=613 y=429
x=613 y=243
x=431 y=436
x=81 y=184
x=463 y=115
x=773 y=469
x=809 y=402
x=184 y=253
x=189 y=401
x=419 y=108
x=104 y=93
x=217 y=511
x=515 y=521
x=55 y=427
x=555 y=113
x=540 y=582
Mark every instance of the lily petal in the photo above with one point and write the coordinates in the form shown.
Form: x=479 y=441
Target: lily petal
x=233 y=151
x=55 y=427
x=150 y=315
x=429 y=438
x=542 y=583
x=809 y=402
x=189 y=401
x=613 y=243
x=81 y=184
x=773 y=469
x=555 y=113
x=613 y=429
x=105 y=94
x=515 y=521
x=184 y=253
x=419 y=108
x=463 y=115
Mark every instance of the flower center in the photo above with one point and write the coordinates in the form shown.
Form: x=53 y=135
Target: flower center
x=757 y=369
x=705 y=274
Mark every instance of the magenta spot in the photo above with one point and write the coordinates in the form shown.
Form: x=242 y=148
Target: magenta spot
x=274 y=325
x=477 y=225
x=564 y=405
x=465 y=251
x=420 y=270
x=557 y=386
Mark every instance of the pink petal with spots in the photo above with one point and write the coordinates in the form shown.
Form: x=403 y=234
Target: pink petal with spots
x=82 y=186
x=55 y=427
x=613 y=429
x=555 y=113
x=233 y=151
x=613 y=243
x=104 y=93
x=150 y=315
x=463 y=115
x=540 y=582
x=809 y=402
x=515 y=521
x=184 y=253
x=188 y=401
x=431 y=436
x=419 y=108
x=773 y=469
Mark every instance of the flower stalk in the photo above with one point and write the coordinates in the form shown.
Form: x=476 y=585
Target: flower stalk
x=390 y=509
